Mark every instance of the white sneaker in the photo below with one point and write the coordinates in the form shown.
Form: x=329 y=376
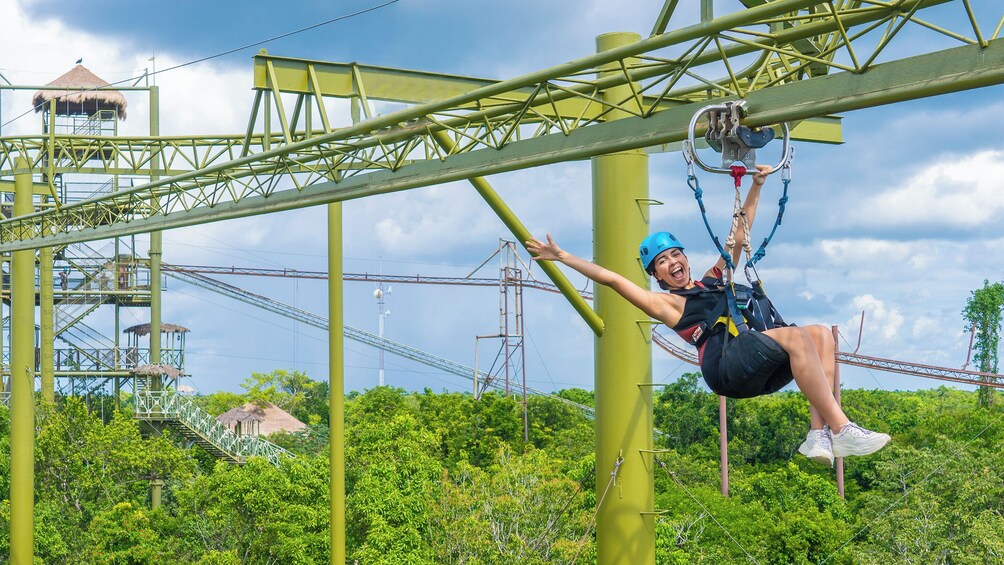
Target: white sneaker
x=818 y=447
x=855 y=440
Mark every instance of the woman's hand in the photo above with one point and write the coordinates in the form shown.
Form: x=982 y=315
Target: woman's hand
x=543 y=251
x=760 y=176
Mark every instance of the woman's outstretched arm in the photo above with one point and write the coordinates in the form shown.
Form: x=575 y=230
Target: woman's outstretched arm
x=666 y=308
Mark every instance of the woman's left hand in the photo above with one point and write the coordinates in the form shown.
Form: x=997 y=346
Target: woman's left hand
x=543 y=251
x=760 y=176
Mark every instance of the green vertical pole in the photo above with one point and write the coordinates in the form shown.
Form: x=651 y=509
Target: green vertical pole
x=45 y=307
x=22 y=373
x=45 y=302
x=156 y=486
x=4 y=374
x=336 y=388
x=623 y=354
x=156 y=244
x=156 y=250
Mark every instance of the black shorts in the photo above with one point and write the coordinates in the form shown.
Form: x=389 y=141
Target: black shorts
x=750 y=364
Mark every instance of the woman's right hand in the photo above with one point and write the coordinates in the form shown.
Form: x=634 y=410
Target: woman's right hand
x=543 y=251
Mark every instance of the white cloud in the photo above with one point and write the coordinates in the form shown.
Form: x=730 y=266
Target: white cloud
x=888 y=320
x=46 y=49
x=924 y=327
x=956 y=191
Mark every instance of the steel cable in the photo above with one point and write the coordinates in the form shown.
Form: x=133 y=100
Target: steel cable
x=679 y=483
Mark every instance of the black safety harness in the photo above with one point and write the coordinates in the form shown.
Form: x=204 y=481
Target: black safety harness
x=739 y=308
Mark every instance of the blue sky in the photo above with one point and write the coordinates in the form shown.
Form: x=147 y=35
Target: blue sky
x=900 y=221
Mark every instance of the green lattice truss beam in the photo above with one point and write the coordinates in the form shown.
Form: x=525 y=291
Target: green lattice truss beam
x=782 y=57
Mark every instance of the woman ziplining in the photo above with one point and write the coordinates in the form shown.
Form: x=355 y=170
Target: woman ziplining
x=744 y=348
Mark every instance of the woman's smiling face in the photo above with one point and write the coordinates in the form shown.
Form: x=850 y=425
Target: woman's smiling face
x=671 y=267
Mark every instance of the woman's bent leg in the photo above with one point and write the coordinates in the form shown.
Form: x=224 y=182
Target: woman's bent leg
x=822 y=340
x=808 y=354
x=807 y=367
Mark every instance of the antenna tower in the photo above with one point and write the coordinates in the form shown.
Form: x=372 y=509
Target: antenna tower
x=509 y=360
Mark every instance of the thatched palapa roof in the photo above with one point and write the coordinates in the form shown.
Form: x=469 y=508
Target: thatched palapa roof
x=144 y=329
x=156 y=370
x=260 y=420
x=87 y=101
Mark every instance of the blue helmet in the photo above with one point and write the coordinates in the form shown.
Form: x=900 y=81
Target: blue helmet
x=655 y=244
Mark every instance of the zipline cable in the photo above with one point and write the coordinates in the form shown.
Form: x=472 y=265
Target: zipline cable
x=221 y=54
x=679 y=483
x=908 y=491
x=599 y=504
x=841 y=334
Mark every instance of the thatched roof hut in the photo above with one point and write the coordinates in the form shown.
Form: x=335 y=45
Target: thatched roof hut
x=86 y=101
x=260 y=420
x=165 y=328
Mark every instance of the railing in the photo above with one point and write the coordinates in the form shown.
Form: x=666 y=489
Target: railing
x=100 y=122
x=82 y=386
x=107 y=359
x=170 y=406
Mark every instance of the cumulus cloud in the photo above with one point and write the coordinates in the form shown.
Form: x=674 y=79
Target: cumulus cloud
x=53 y=48
x=955 y=192
x=887 y=320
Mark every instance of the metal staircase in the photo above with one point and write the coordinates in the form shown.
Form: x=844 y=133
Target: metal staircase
x=99 y=275
x=180 y=414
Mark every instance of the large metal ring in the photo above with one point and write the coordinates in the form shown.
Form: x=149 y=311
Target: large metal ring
x=690 y=147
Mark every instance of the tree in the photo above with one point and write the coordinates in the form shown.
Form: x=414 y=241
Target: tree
x=563 y=431
x=983 y=315
x=520 y=509
x=392 y=473
x=123 y=535
x=687 y=416
x=267 y=514
x=89 y=466
x=291 y=391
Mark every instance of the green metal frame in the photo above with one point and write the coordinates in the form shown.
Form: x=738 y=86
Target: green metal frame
x=316 y=80
x=779 y=56
x=397 y=152
x=122 y=214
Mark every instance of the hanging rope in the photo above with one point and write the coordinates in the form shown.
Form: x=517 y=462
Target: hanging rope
x=673 y=476
x=599 y=504
x=737 y=173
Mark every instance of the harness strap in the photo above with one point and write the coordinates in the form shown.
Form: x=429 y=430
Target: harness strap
x=738 y=320
x=694 y=185
x=765 y=309
x=727 y=314
x=762 y=250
